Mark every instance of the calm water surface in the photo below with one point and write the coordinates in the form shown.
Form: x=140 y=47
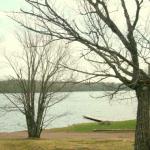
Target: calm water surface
x=75 y=106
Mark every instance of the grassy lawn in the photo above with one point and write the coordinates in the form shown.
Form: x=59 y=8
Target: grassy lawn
x=74 y=144
x=65 y=145
x=89 y=127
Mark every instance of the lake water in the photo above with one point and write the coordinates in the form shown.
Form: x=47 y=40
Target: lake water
x=75 y=106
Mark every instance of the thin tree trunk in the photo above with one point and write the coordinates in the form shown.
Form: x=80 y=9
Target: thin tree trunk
x=33 y=129
x=142 y=135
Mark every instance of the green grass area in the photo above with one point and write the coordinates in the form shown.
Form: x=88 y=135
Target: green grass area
x=74 y=144
x=89 y=127
x=65 y=145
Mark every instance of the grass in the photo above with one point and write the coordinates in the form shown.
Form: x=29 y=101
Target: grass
x=65 y=145
x=74 y=144
x=89 y=127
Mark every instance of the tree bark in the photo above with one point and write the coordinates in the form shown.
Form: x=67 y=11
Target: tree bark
x=34 y=131
x=142 y=135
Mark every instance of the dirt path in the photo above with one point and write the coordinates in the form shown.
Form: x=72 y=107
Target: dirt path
x=73 y=135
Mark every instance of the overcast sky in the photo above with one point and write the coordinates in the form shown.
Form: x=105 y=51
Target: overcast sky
x=8 y=43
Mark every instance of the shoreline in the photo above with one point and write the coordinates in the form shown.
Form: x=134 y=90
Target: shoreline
x=51 y=135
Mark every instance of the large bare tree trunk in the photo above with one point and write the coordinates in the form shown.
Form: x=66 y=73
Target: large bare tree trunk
x=142 y=135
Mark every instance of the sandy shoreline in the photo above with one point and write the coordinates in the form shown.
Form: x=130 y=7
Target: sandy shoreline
x=72 y=135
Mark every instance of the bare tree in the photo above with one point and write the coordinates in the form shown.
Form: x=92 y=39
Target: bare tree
x=120 y=51
x=36 y=73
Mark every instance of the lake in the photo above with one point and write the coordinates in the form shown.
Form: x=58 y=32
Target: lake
x=74 y=107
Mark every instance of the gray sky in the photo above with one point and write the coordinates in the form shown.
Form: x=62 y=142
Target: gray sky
x=6 y=6
x=7 y=26
x=8 y=43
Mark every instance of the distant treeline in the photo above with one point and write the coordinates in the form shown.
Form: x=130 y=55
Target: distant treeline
x=12 y=86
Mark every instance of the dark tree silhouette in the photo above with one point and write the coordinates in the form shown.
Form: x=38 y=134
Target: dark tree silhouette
x=36 y=72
